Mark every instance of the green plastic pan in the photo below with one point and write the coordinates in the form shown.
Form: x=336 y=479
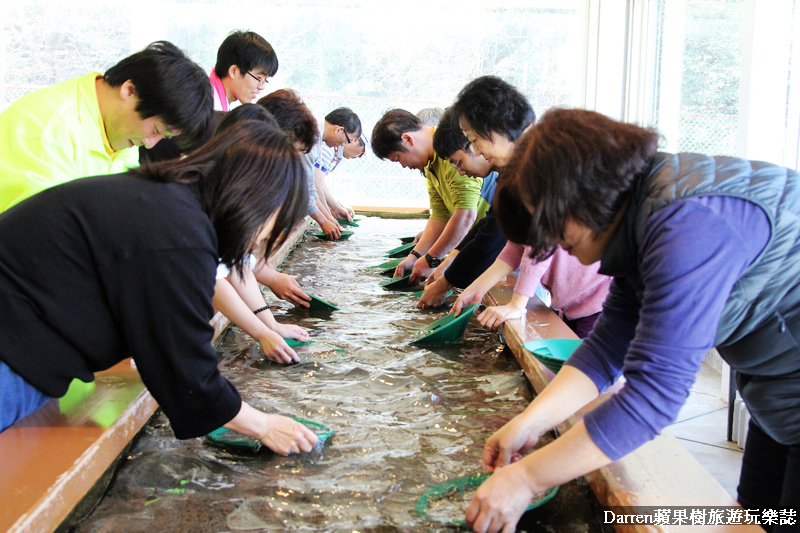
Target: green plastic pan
x=400 y=251
x=449 y=328
x=552 y=352
x=231 y=439
x=343 y=237
x=318 y=304
x=345 y=222
x=458 y=490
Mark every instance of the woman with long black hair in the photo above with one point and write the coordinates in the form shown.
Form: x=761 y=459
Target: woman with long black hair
x=109 y=267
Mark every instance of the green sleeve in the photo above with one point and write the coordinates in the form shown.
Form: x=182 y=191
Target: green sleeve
x=439 y=209
x=465 y=190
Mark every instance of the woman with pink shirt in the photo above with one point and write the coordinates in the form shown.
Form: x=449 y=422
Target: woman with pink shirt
x=577 y=291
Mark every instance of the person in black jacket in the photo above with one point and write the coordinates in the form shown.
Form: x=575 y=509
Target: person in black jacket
x=492 y=114
x=109 y=267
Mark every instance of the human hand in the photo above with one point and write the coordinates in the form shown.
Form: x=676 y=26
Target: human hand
x=435 y=294
x=287 y=288
x=509 y=443
x=500 y=501
x=406 y=264
x=420 y=271
x=468 y=296
x=492 y=317
x=331 y=230
x=276 y=349
x=437 y=273
x=339 y=211
x=286 y=436
x=291 y=331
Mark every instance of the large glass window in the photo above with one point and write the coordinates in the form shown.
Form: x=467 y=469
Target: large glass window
x=724 y=78
x=699 y=62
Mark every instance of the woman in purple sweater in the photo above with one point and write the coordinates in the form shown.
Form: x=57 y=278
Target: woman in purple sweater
x=705 y=252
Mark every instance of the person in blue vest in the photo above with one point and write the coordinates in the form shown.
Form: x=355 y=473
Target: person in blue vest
x=705 y=252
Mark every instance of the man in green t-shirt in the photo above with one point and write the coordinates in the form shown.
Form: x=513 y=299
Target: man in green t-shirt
x=90 y=125
x=401 y=137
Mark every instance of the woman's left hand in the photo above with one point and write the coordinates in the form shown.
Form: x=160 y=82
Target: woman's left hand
x=493 y=317
x=500 y=501
x=290 y=331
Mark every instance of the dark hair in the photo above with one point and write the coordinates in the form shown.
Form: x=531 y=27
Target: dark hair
x=292 y=115
x=346 y=118
x=174 y=147
x=490 y=104
x=168 y=85
x=574 y=164
x=387 y=133
x=448 y=138
x=247 y=50
x=243 y=177
x=245 y=112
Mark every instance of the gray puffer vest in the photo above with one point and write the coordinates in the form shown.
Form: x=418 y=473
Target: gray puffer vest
x=759 y=327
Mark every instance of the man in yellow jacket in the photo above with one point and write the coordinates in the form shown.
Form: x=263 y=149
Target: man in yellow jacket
x=91 y=125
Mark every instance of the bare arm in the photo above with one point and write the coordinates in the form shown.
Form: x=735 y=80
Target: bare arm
x=502 y=499
x=278 y=433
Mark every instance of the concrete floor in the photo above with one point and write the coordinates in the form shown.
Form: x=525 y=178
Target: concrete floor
x=702 y=429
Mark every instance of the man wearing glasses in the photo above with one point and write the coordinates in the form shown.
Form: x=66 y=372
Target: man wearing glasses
x=244 y=62
x=341 y=126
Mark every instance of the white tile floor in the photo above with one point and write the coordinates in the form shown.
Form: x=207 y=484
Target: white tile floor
x=702 y=429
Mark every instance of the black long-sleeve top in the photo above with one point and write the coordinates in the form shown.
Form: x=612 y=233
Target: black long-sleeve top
x=476 y=252
x=105 y=268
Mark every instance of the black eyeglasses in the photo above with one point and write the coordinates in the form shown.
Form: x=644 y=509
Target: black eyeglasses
x=260 y=81
x=346 y=136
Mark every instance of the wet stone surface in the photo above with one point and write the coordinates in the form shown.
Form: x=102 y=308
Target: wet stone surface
x=405 y=418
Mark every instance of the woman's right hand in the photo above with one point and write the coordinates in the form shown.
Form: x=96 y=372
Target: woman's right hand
x=276 y=349
x=406 y=266
x=286 y=436
x=287 y=288
x=468 y=296
x=509 y=444
x=278 y=433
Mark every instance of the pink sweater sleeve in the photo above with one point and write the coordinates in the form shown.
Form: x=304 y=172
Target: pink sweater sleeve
x=530 y=273
x=576 y=289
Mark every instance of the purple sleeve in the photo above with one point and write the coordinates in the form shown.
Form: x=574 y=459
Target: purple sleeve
x=693 y=252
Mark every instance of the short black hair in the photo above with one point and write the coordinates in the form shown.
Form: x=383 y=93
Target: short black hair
x=168 y=85
x=243 y=177
x=293 y=116
x=448 y=137
x=490 y=104
x=173 y=147
x=387 y=135
x=245 y=112
x=247 y=50
x=346 y=118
